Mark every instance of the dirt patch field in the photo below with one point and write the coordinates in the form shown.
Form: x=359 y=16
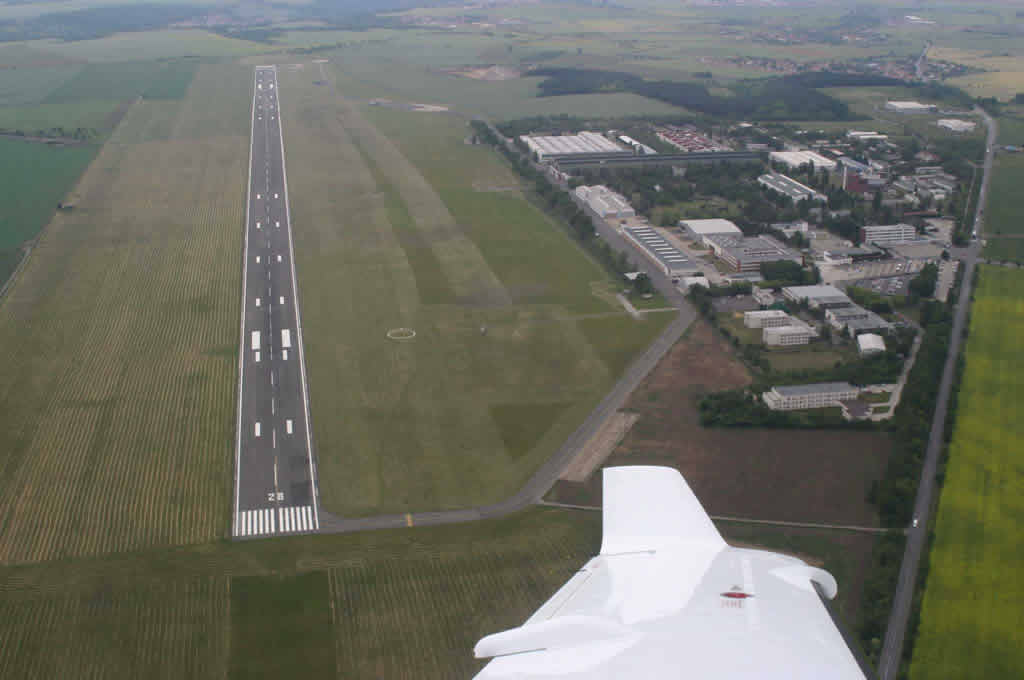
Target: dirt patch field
x=493 y=72
x=599 y=446
x=820 y=476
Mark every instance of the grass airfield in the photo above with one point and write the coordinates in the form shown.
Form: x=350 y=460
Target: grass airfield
x=427 y=232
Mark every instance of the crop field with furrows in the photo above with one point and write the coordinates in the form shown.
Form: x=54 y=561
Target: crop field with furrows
x=399 y=223
x=393 y=604
x=170 y=629
x=969 y=624
x=1003 y=208
x=118 y=377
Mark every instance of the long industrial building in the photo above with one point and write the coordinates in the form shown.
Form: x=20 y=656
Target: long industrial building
x=789 y=187
x=748 y=253
x=568 y=146
x=795 y=159
x=653 y=245
x=568 y=163
x=817 y=395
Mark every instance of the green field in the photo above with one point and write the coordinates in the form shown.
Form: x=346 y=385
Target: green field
x=40 y=91
x=969 y=626
x=514 y=344
x=1003 y=210
x=394 y=604
x=35 y=177
x=401 y=604
x=120 y=340
x=364 y=77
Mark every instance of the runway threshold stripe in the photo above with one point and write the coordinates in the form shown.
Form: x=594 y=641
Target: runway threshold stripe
x=268 y=521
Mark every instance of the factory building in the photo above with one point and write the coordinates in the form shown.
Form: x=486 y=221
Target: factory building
x=818 y=297
x=568 y=146
x=865 y=136
x=605 y=202
x=856 y=319
x=787 y=186
x=796 y=333
x=909 y=107
x=956 y=125
x=870 y=343
x=699 y=229
x=888 y=234
x=672 y=262
x=816 y=395
x=796 y=159
x=768 y=318
x=638 y=147
x=747 y=253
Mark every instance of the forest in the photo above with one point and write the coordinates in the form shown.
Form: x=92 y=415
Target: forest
x=786 y=98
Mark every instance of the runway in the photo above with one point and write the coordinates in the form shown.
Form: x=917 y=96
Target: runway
x=275 y=471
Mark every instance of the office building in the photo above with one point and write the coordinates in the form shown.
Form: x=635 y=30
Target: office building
x=816 y=395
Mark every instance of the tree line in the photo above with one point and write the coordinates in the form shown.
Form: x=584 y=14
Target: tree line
x=794 y=97
x=579 y=224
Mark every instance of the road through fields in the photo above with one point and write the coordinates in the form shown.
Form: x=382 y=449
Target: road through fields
x=275 y=475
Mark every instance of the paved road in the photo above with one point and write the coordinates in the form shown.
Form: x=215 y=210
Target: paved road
x=275 y=480
x=892 y=650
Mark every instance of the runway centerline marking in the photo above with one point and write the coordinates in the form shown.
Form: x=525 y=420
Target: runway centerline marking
x=260 y=510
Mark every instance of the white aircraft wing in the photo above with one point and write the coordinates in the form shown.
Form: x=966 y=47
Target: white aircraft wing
x=667 y=597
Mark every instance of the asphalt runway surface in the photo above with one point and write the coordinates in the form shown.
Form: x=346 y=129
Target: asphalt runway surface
x=275 y=477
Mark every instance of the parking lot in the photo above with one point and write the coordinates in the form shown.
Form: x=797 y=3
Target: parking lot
x=890 y=285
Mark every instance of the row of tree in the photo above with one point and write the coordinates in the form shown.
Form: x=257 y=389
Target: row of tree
x=579 y=224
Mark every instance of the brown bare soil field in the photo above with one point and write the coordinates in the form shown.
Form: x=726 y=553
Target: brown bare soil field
x=820 y=476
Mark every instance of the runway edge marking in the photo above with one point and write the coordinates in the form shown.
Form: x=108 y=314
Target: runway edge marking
x=241 y=323
x=298 y=315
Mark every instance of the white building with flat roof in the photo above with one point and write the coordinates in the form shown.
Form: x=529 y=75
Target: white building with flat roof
x=767 y=318
x=909 y=107
x=870 y=343
x=816 y=395
x=698 y=229
x=956 y=125
x=794 y=333
x=795 y=159
x=888 y=234
x=605 y=202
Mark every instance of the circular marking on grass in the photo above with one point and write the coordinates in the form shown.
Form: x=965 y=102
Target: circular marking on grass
x=401 y=334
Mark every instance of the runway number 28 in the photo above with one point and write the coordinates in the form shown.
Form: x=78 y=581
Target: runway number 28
x=275 y=496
